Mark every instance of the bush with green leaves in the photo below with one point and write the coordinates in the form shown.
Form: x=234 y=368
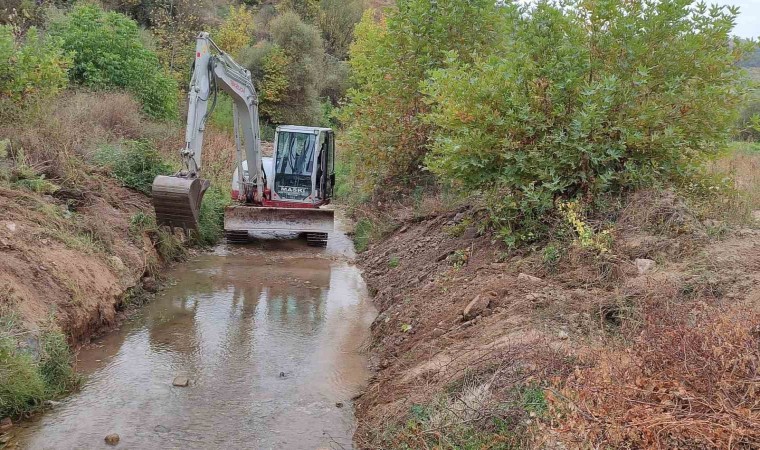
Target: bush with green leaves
x=29 y=375
x=581 y=99
x=32 y=69
x=337 y=19
x=531 y=104
x=108 y=52
x=134 y=163
x=301 y=63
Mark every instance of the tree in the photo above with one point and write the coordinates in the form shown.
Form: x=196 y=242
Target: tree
x=391 y=60
x=108 y=52
x=337 y=19
x=175 y=25
x=236 y=32
x=304 y=54
x=584 y=99
x=31 y=69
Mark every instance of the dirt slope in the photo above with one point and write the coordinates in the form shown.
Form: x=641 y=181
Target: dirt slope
x=455 y=309
x=69 y=258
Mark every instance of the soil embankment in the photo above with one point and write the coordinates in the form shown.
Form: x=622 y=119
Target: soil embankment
x=69 y=257
x=474 y=345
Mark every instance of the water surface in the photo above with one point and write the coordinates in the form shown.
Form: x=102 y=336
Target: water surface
x=270 y=336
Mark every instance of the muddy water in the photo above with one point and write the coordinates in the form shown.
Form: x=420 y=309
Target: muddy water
x=270 y=336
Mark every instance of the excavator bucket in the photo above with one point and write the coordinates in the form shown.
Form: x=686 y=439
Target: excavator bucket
x=177 y=200
x=238 y=219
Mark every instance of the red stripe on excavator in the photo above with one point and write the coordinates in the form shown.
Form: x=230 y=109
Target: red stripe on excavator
x=277 y=204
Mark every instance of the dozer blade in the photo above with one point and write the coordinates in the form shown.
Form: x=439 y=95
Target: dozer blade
x=177 y=200
x=300 y=220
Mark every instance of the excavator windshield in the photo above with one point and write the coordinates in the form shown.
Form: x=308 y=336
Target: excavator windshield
x=294 y=165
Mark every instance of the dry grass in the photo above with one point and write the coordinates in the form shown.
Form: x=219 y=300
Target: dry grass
x=691 y=380
x=58 y=143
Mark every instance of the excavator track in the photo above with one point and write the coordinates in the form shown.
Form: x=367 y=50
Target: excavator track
x=236 y=236
x=316 y=239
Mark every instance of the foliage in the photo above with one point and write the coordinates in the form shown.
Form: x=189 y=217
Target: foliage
x=211 y=221
x=134 y=163
x=30 y=375
x=302 y=64
x=335 y=78
x=307 y=10
x=336 y=20
x=268 y=65
x=21 y=385
x=55 y=362
x=577 y=100
x=236 y=32
x=586 y=237
x=31 y=69
x=108 y=52
x=390 y=61
x=174 y=27
x=362 y=234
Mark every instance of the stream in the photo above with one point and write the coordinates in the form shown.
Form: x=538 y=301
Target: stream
x=271 y=337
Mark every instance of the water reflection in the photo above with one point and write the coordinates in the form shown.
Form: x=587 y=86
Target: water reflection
x=270 y=348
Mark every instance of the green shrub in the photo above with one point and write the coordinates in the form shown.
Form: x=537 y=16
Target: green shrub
x=390 y=63
x=134 y=163
x=108 y=52
x=31 y=69
x=21 y=385
x=363 y=234
x=580 y=101
x=55 y=364
x=211 y=221
x=337 y=19
x=28 y=377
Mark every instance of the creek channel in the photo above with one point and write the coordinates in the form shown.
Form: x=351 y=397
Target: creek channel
x=271 y=336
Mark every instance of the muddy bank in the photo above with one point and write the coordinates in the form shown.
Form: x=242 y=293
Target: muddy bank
x=68 y=258
x=474 y=345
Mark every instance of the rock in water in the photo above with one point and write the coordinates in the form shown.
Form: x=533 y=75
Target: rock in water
x=181 y=381
x=112 y=439
x=644 y=265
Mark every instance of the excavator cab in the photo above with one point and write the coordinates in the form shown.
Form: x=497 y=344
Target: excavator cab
x=300 y=177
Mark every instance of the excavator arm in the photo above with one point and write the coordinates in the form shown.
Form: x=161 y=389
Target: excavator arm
x=177 y=198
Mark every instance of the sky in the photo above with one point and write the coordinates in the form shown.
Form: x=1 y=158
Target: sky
x=748 y=22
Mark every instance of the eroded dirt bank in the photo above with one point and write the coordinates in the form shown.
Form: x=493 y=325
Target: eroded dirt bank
x=654 y=343
x=69 y=258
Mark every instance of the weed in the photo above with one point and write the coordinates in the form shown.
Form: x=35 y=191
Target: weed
x=29 y=375
x=55 y=363
x=458 y=229
x=586 y=237
x=362 y=233
x=134 y=163
x=551 y=256
x=458 y=258
x=394 y=262
x=211 y=221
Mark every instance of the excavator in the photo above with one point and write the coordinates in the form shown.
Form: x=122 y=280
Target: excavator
x=279 y=194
